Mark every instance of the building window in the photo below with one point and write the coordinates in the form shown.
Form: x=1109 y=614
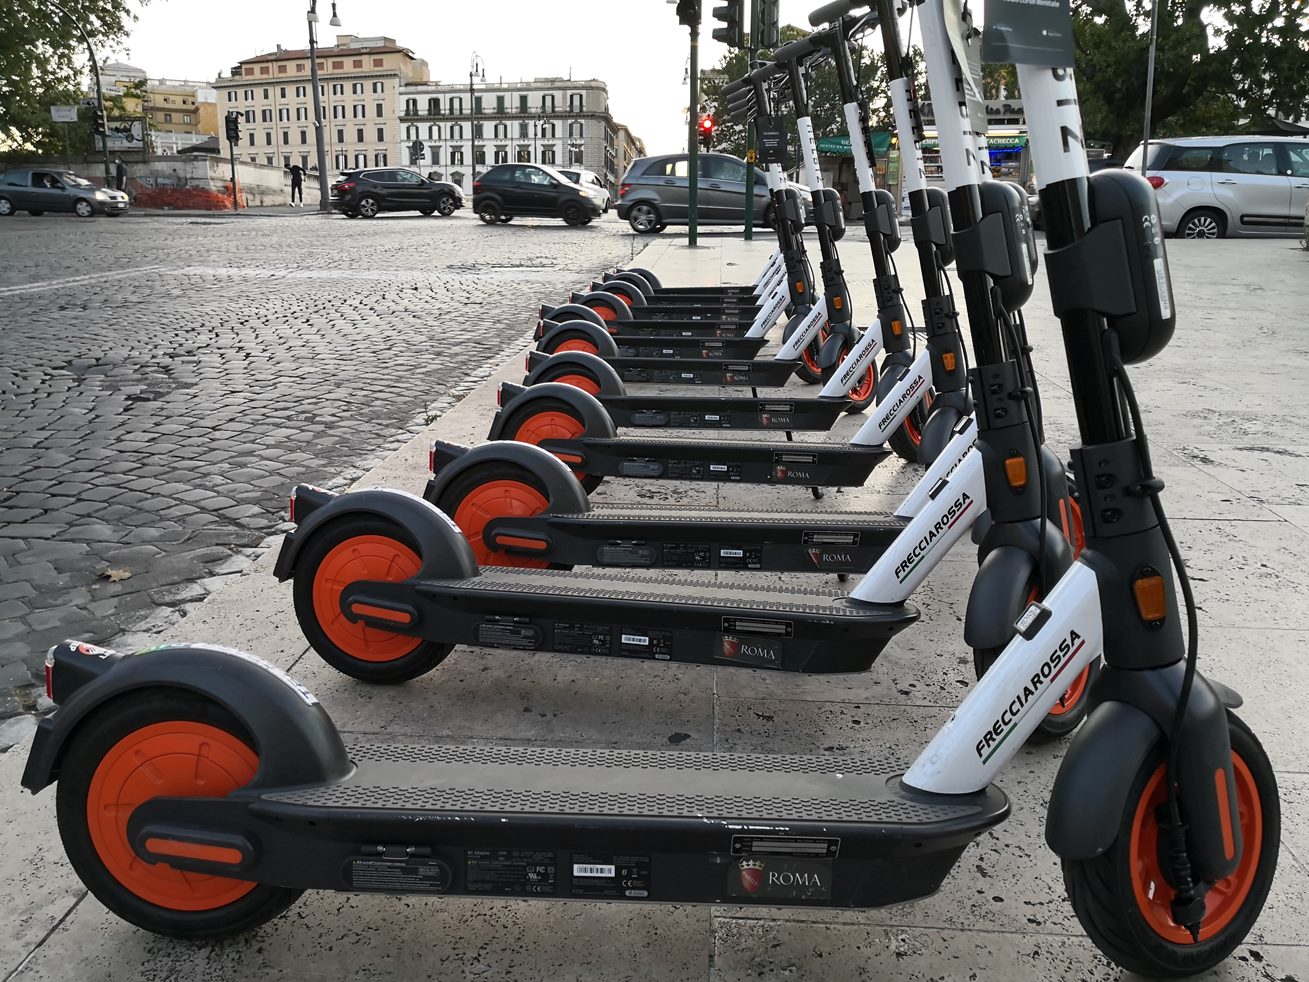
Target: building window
x=547 y=155
x=377 y=63
x=435 y=152
x=249 y=115
x=359 y=135
x=434 y=107
x=304 y=161
x=477 y=131
x=168 y=117
x=304 y=137
x=299 y=91
x=477 y=104
x=359 y=63
x=265 y=92
x=456 y=156
x=522 y=131
x=265 y=70
x=548 y=103
x=281 y=70
x=342 y=161
x=499 y=103
x=433 y=131
x=248 y=71
x=361 y=160
x=338 y=66
x=266 y=115
x=381 y=134
x=268 y=158
x=186 y=119
x=547 y=131
x=338 y=88
x=231 y=95
x=378 y=86
x=338 y=112
x=286 y=137
x=501 y=155
x=268 y=138
x=299 y=67
x=286 y=160
x=360 y=111
x=249 y=95
x=340 y=135
x=575 y=155
x=251 y=140
x=411 y=132
x=501 y=131
x=575 y=102
x=379 y=159
x=358 y=87
x=284 y=115
x=379 y=109
x=281 y=92
x=524 y=155
x=522 y=103
x=456 y=131
x=411 y=107
x=301 y=114
x=479 y=156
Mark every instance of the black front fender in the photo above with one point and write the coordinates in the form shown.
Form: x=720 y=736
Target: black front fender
x=593 y=366
x=595 y=418
x=564 y=495
x=998 y=596
x=554 y=333
x=293 y=735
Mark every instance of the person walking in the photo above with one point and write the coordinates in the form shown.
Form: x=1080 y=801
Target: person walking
x=120 y=174
x=297 y=185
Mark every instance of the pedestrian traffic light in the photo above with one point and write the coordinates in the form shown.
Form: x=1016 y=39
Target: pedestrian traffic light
x=233 y=128
x=732 y=33
x=98 y=122
x=769 y=27
x=707 y=132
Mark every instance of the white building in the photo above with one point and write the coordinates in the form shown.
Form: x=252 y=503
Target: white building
x=557 y=121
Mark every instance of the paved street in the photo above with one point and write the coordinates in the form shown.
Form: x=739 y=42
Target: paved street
x=165 y=381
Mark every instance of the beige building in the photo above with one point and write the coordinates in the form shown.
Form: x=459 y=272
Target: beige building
x=178 y=112
x=359 y=81
x=557 y=121
x=630 y=147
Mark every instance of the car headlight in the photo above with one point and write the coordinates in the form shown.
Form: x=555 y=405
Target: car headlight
x=585 y=193
x=101 y=193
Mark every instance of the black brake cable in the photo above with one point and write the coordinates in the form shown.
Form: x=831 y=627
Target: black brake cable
x=1188 y=905
x=909 y=317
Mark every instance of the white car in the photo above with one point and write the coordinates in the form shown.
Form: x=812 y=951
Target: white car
x=589 y=180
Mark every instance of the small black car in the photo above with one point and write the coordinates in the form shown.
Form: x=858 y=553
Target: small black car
x=370 y=192
x=509 y=190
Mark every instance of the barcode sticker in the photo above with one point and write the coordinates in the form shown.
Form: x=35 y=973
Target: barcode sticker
x=580 y=869
x=635 y=639
x=1161 y=281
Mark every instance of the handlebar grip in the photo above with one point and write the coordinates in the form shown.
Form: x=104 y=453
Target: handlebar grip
x=834 y=11
x=795 y=50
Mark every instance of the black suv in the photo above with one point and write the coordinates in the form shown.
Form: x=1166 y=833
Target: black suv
x=508 y=190
x=370 y=192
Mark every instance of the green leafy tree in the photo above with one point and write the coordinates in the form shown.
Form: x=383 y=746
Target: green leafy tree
x=1218 y=63
x=825 y=102
x=43 y=62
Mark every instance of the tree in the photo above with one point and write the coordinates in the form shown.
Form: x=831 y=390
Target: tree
x=825 y=103
x=43 y=63
x=1218 y=63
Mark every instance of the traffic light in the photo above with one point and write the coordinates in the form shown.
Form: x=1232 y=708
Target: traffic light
x=98 y=122
x=707 y=132
x=770 y=31
x=688 y=13
x=732 y=15
x=233 y=125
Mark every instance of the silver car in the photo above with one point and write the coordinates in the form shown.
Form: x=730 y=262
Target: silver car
x=36 y=191
x=656 y=192
x=1213 y=186
x=591 y=181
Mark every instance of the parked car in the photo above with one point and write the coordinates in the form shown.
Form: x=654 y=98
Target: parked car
x=589 y=180
x=655 y=193
x=368 y=193
x=509 y=191
x=38 y=191
x=1212 y=186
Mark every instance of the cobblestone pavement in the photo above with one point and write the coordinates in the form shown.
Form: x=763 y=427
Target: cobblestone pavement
x=165 y=381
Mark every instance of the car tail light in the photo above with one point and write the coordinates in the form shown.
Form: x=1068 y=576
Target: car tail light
x=1156 y=181
x=344 y=186
x=290 y=509
x=623 y=189
x=431 y=457
x=50 y=674
x=477 y=186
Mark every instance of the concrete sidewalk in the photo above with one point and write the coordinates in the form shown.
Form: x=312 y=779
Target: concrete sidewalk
x=1240 y=510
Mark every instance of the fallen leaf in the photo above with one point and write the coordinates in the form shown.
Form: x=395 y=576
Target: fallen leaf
x=114 y=575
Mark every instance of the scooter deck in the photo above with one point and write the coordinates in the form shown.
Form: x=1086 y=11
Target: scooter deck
x=811 y=464
x=745 y=413
x=563 y=824
x=758 y=372
x=630 y=346
x=598 y=612
x=678 y=538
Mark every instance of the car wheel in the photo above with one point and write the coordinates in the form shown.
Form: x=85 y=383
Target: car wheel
x=574 y=216
x=505 y=219
x=369 y=207
x=38 y=213
x=84 y=208
x=644 y=219
x=1203 y=223
x=447 y=205
x=488 y=212
x=426 y=211
x=660 y=227
x=6 y=207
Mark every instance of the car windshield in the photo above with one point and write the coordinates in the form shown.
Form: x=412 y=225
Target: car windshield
x=1157 y=152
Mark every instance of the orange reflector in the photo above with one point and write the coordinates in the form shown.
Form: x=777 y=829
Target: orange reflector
x=836 y=302
x=1150 y=597
x=194 y=850
x=517 y=542
x=1015 y=472
x=1224 y=813
x=897 y=328
x=382 y=613
x=290 y=509
x=799 y=286
x=947 y=361
x=569 y=458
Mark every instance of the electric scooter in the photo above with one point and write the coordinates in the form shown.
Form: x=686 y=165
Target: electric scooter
x=206 y=808
x=250 y=796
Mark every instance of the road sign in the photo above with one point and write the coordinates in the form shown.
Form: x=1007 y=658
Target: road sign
x=63 y=114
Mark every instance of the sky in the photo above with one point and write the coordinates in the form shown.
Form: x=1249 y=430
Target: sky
x=636 y=46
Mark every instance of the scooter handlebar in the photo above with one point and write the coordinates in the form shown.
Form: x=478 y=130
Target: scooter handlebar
x=829 y=13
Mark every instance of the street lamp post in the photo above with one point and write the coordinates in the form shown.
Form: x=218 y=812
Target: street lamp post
x=324 y=202
x=99 y=89
x=474 y=67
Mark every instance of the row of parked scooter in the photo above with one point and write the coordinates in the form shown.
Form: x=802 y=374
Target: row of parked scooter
x=201 y=790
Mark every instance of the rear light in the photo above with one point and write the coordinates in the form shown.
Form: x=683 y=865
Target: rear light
x=623 y=189
x=431 y=454
x=1156 y=181
x=290 y=509
x=499 y=398
x=477 y=186
x=50 y=674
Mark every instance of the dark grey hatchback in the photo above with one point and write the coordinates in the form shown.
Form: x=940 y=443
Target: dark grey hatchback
x=368 y=193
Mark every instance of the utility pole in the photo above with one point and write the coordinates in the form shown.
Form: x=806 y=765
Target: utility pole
x=751 y=140
x=474 y=67
x=99 y=89
x=688 y=14
x=324 y=201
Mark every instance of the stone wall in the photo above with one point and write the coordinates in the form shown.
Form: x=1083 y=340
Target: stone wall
x=199 y=181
